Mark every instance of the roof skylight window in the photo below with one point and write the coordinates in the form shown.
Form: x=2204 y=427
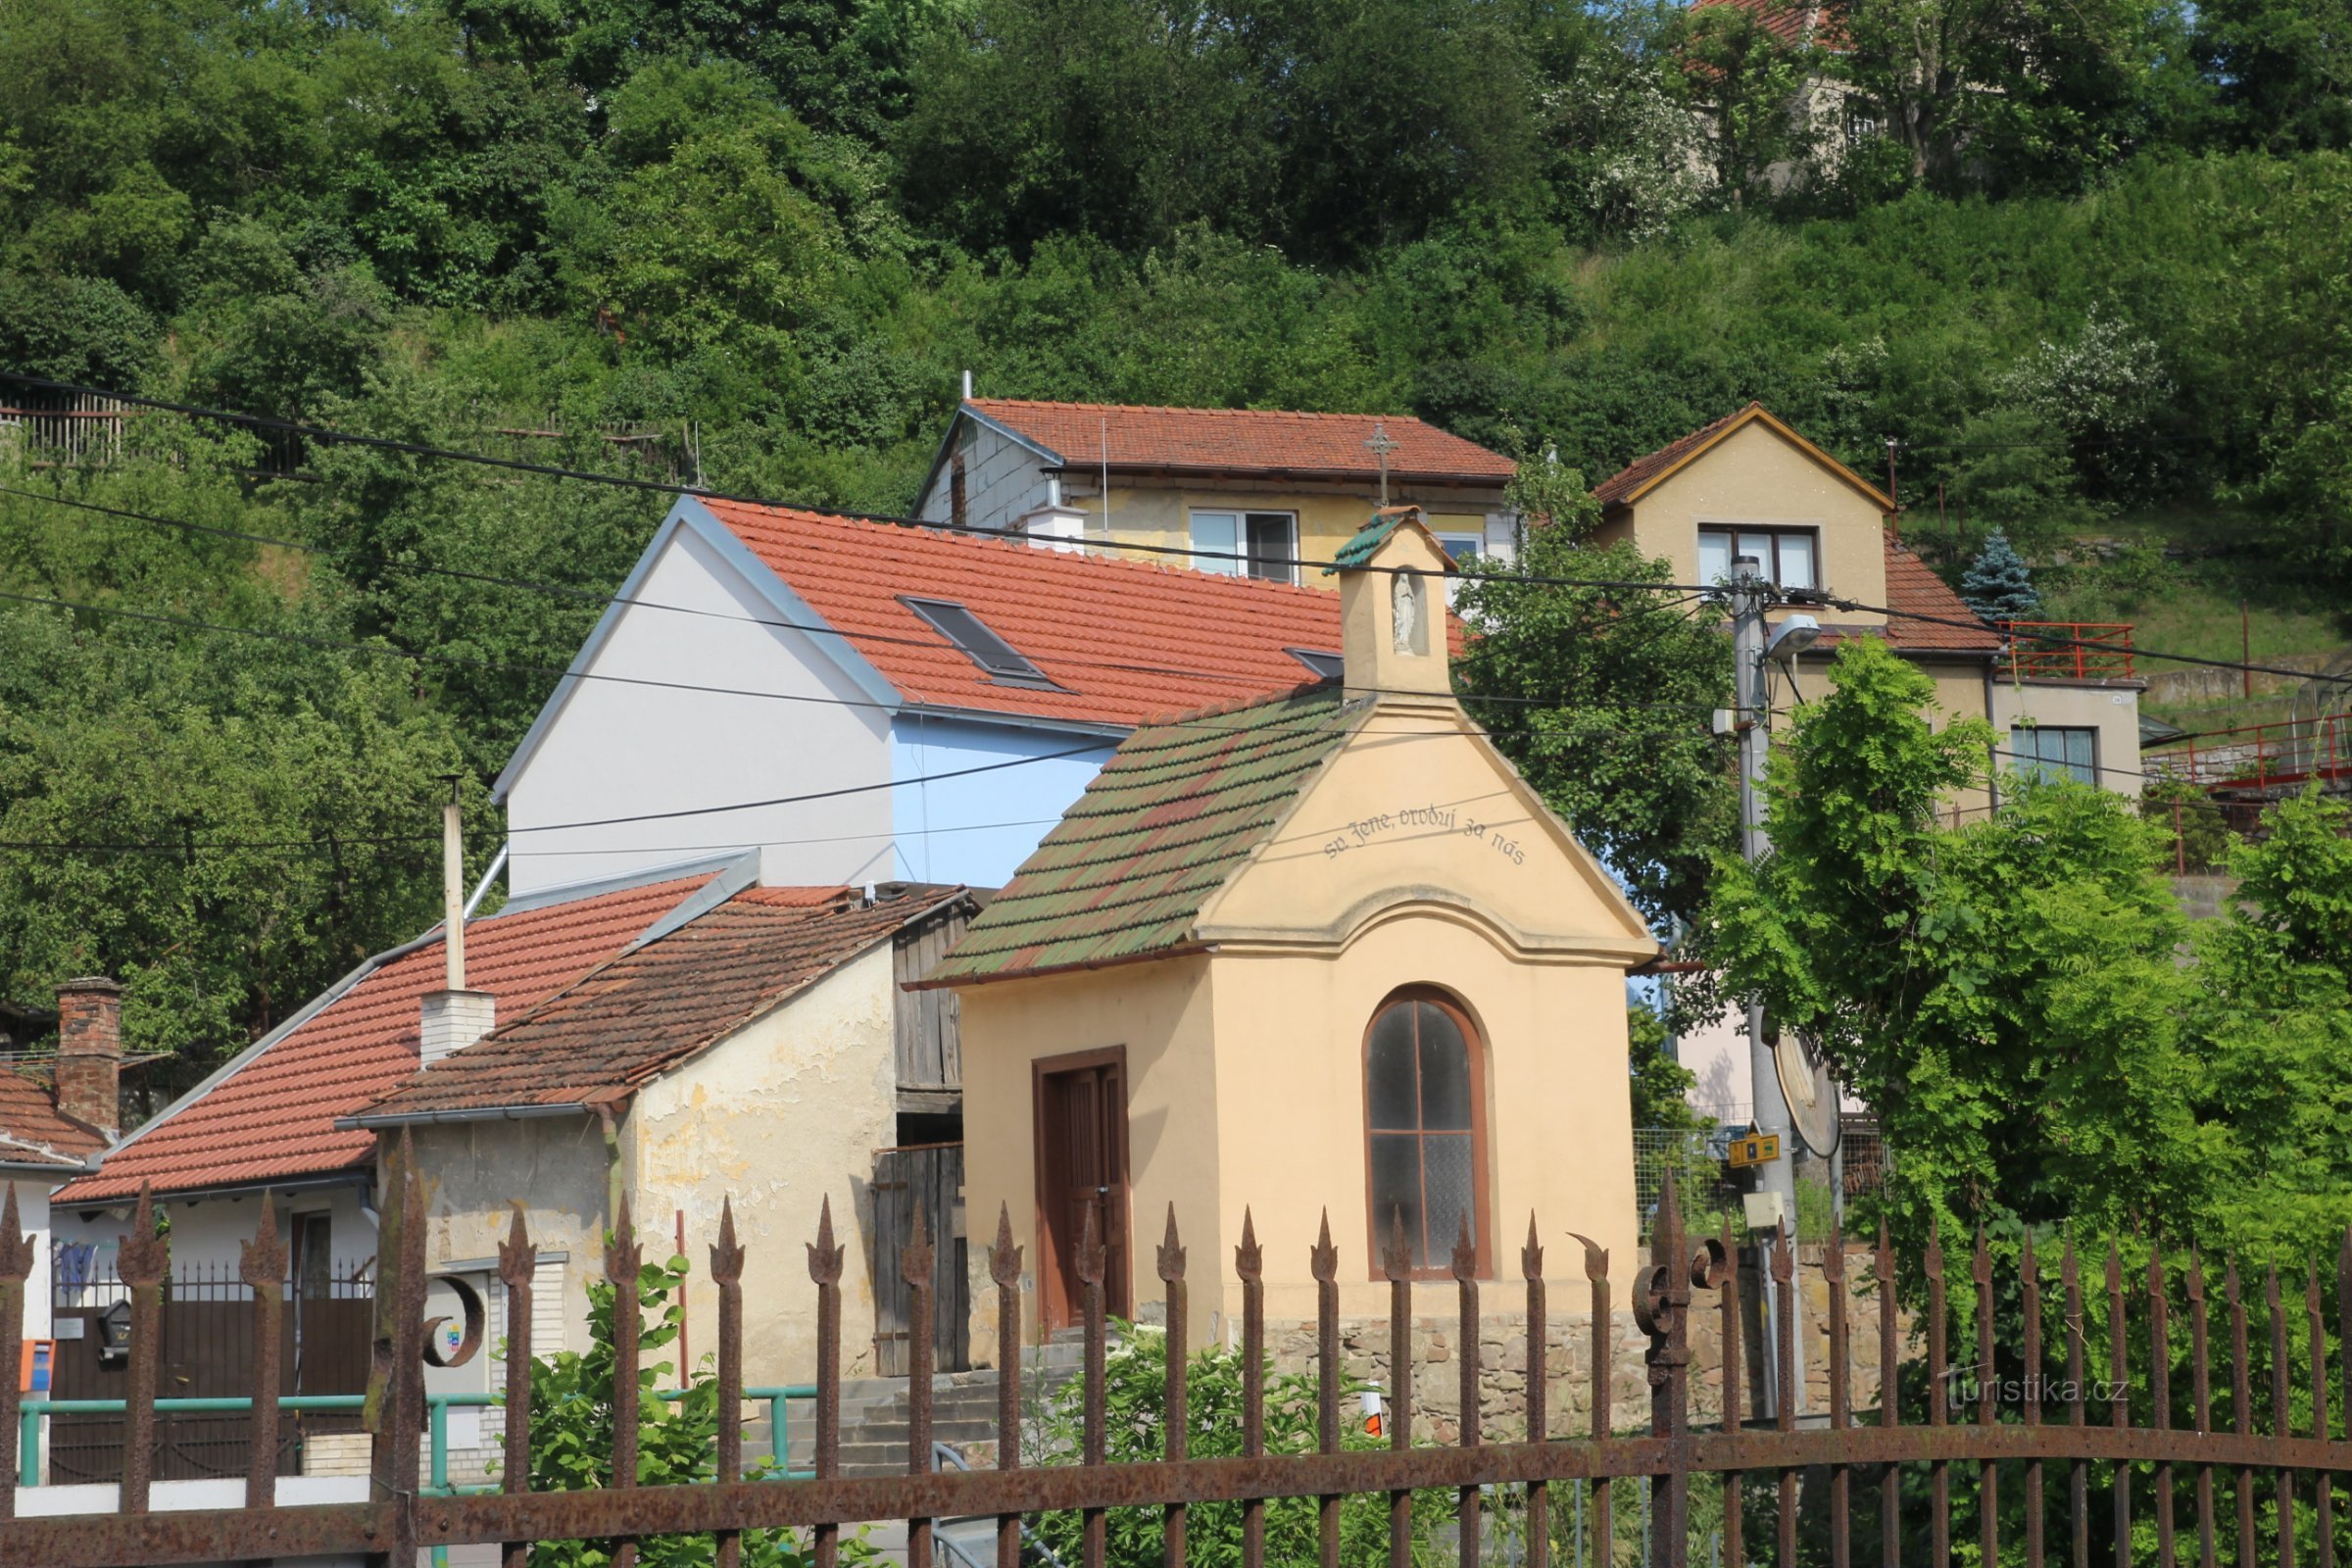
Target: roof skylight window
x=971 y=637
x=1326 y=666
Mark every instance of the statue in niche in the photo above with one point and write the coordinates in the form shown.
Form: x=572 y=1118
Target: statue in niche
x=1408 y=613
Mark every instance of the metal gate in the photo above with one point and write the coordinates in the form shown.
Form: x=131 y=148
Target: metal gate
x=926 y=1180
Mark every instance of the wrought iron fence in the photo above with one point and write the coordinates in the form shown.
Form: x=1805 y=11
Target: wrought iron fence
x=2050 y=1418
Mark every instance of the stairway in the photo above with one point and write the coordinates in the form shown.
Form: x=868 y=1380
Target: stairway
x=874 y=1417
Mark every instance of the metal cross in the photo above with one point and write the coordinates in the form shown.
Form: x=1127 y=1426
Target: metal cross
x=1382 y=444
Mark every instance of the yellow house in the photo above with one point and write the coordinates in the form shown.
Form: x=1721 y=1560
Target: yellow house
x=1749 y=485
x=1246 y=491
x=1319 y=953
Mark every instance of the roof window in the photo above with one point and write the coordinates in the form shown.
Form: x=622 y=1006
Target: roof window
x=1326 y=666
x=972 y=638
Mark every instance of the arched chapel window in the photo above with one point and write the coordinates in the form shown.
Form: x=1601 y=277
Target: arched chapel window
x=1425 y=1127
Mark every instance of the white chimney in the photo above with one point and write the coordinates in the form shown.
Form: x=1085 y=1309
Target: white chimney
x=452 y=1017
x=453 y=1020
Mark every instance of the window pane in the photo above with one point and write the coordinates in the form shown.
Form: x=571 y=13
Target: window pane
x=1396 y=1184
x=1464 y=548
x=1445 y=1167
x=1270 y=549
x=2079 y=762
x=1218 y=536
x=1796 y=560
x=1390 y=1071
x=1714 y=557
x=1444 y=1070
x=1758 y=545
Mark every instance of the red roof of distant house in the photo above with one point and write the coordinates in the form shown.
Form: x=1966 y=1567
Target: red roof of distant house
x=1791 y=25
x=1121 y=641
x=272 y=1117
x=655 y=1006
x=33 y=1131
x=1243 y=441
x=1914 y=589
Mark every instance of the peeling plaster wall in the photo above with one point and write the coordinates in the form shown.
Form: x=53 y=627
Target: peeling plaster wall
x=552 y=1165
x=783 y=1114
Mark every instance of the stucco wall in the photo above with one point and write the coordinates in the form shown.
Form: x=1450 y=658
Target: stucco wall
x=978 y=828
x=1160 y=1013
x=33 y=1214
x=556 y=1168
x=2112 y=710
x=1756 y=478
x=783 y=1114
x=1160 y=515
x=618 y=750
x=208 y=1233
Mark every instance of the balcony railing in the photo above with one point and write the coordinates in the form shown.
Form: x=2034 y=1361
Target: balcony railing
x=2069 y=649
x=2259 y=755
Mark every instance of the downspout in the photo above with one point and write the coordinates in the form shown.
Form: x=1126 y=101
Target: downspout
x=607 y=1116
x=1992 y=753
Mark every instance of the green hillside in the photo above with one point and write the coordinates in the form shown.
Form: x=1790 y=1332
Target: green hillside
x=757 y=241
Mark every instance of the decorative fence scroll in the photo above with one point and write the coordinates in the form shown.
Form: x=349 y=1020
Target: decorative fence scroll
x=2259 y=1493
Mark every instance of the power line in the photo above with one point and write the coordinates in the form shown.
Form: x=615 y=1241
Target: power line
x=333 y=437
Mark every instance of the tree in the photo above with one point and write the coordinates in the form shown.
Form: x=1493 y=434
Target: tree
x=1601 y=695
x=1750 y=86
x=1998 y=585
x=2010 y=996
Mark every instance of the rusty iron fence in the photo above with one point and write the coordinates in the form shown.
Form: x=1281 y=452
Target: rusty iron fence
x=2072 y=1444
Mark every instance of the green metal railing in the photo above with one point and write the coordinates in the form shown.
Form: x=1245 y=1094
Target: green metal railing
x=437 y=1408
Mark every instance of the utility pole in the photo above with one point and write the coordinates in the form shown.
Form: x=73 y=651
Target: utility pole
x=1749 y=595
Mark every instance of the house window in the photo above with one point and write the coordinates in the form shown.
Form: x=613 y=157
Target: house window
x=1257 y=544
x=1425 y=1128
x=1464 y=548
x=2055 y=752
x=1786 y=557
x=1859 y=129
x=958 y=502
x=1327 y=665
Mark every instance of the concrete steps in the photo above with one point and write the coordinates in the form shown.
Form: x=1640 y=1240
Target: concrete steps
x=874 y=1415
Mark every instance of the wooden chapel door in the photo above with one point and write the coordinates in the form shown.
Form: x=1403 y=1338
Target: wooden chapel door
x=1082 y=1167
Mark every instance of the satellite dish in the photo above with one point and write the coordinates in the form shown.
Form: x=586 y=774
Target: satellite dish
x=1809 y=1089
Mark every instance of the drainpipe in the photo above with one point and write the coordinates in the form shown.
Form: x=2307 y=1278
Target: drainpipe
x=1993 y=753
x=607 y=1116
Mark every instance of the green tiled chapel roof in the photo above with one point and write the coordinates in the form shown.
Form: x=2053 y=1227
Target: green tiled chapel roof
x=1177 y=809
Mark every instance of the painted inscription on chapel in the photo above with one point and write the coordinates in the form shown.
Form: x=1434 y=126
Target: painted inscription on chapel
x=1423 y=821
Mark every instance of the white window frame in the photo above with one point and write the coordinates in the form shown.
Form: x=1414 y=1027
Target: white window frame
x=1776 y=531
x=1221 y=557
x=2037 y=763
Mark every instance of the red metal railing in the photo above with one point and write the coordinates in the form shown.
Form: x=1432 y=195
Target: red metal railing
x=2069 y=649
x=2260 y=755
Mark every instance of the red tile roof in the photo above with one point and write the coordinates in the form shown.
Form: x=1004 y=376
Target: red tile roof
x=271 y=1118
x=650 y=1009
x=1123 y=640
x=1790 y=25
x=1638 y=477
x=1243 y=441
x=33 y=1130
x=1913 y=588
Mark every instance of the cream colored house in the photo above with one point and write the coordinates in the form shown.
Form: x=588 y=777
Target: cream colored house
x=751 y=1049
x=1244 y=491
x=1751 y=485
x=1323 y=952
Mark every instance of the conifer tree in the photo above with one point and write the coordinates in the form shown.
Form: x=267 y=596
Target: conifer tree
x=1997 y=584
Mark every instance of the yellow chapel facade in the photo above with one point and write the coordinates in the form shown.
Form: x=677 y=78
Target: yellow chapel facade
x=1320 y=956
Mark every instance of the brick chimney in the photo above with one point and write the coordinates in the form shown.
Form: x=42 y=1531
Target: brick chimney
x=89 y=1053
